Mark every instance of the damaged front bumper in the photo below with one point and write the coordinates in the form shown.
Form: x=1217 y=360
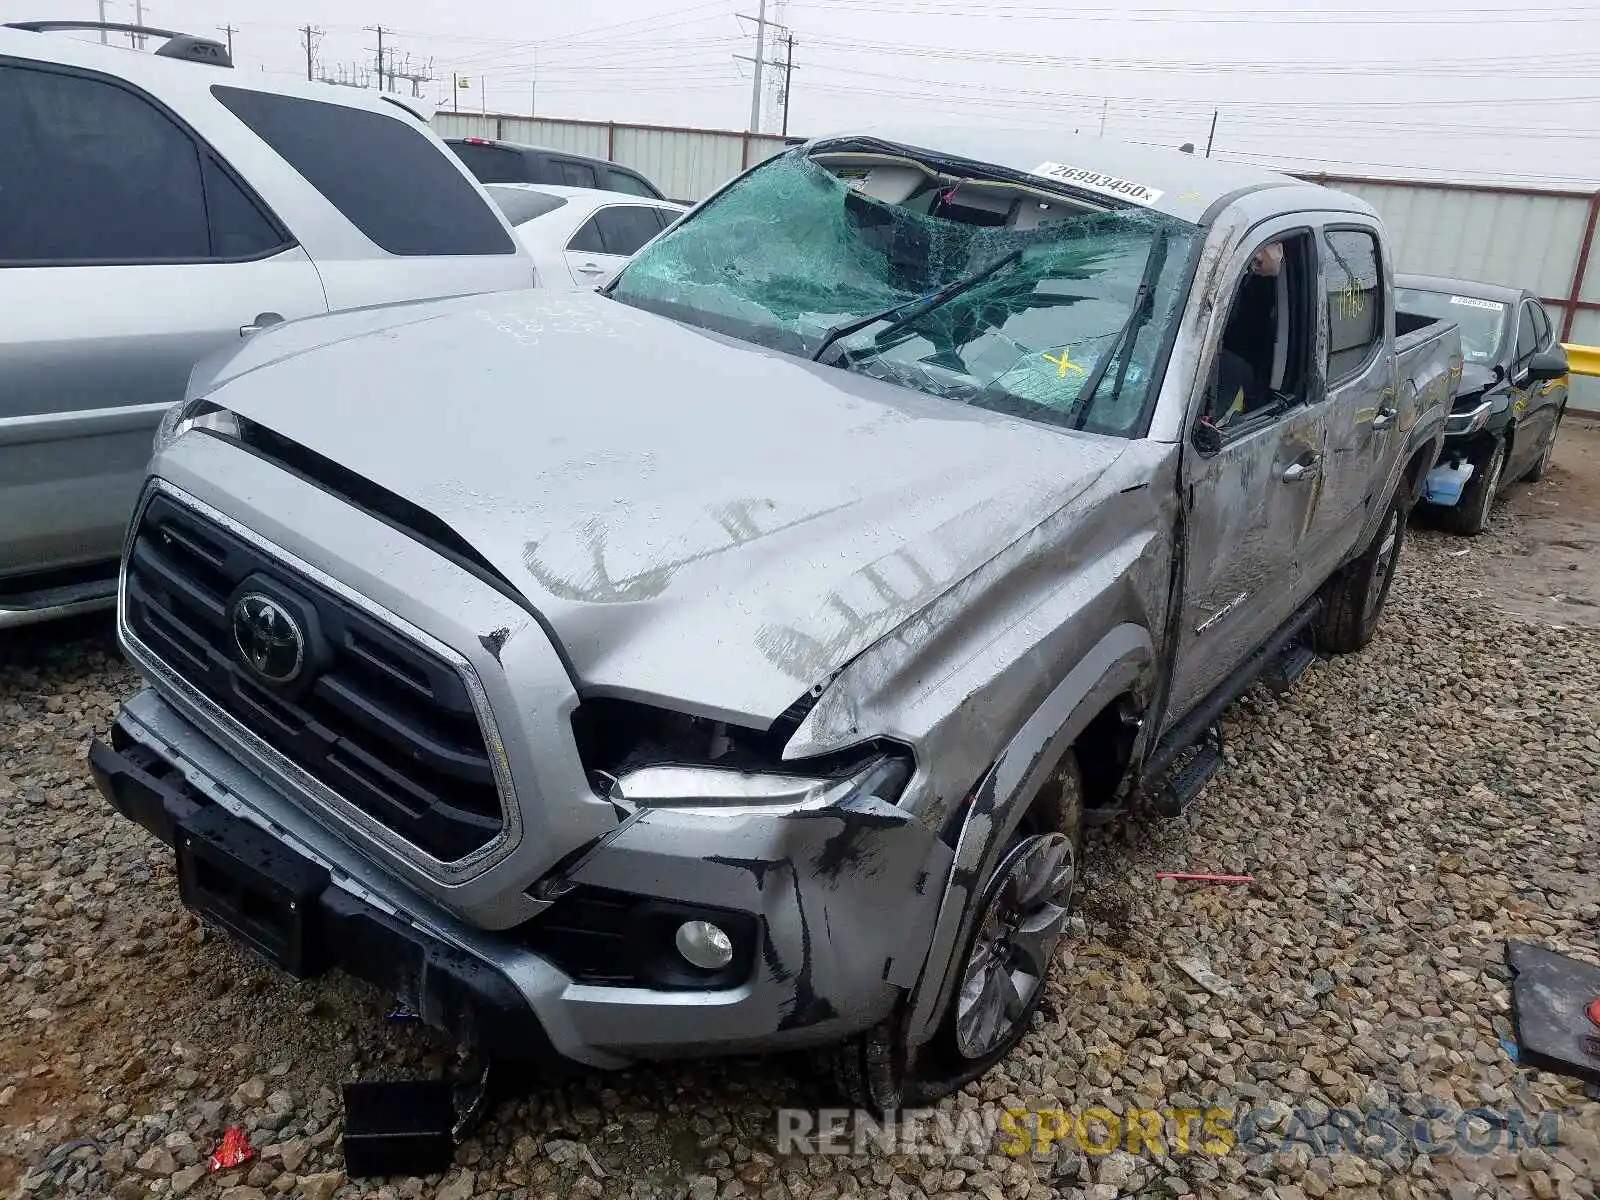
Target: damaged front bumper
x=831 y=911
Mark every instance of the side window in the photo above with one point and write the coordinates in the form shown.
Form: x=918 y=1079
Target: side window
x=1263 y=362
x=667 y=216
x=575 y=174
x=239 y=229
x=90 y=172
x=388 y=179
x=1354 y=281
x=588 y=240
x=1541 y=326
x=626 y=227
x=1527 y=336
x=626 y=181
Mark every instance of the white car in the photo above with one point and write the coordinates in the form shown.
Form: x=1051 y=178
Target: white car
x=580 y=237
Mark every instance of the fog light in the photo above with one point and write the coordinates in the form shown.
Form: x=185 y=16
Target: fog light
x=704 y=945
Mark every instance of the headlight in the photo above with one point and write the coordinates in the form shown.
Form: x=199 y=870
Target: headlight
x=721 y=791
x=194 y=414
x=1470 y=422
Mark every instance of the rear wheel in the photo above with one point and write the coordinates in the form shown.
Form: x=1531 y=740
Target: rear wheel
x=1354 y=599
x=1000 y=980
x=1470 y=516
x=1541 y=468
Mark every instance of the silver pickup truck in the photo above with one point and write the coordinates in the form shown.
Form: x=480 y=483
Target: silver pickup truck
x=731 y=660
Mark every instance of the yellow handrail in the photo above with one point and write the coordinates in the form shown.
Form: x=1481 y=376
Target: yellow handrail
x=1582 y=360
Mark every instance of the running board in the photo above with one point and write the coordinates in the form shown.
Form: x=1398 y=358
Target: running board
x=1284 y=672
x=51 y=603
x=1188 y=778
x=1192 y=728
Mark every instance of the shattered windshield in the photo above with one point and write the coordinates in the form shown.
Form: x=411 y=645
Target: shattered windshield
x=1482 y=322
x=1065 y=327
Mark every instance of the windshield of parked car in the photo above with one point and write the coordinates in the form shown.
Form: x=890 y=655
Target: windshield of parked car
x=791 y=252
x=1482 y=322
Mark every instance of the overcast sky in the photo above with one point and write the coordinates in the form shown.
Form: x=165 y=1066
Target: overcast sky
x=1497 y=94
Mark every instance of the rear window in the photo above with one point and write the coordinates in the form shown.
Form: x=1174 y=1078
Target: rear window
x=390 y=181
x=625 y=181
x=522 y=204
x=491 y=164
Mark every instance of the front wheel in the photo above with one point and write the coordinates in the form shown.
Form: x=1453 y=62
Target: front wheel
x=1000 y=976
x=1354 y=599
x=1470 y=516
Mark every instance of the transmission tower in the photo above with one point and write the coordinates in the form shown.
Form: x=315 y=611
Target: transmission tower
x=418 y=73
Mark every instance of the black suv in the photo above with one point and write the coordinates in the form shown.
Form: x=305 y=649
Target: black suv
x=511 y=162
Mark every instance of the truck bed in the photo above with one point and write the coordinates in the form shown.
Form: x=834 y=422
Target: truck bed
x=1427 y=353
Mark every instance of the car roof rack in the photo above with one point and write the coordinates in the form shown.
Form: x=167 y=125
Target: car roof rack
x=178 y=45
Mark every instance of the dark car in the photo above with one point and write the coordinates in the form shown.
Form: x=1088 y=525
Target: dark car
x=1509 y=402
x=511 y=162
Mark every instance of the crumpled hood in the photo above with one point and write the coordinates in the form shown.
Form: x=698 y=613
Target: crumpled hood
x=1475 y=378
x=704 y=523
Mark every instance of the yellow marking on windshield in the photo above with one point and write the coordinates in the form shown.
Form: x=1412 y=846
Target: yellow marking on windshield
x=1062 y=364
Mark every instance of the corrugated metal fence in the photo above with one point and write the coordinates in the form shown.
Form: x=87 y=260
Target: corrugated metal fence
x=1533 y=238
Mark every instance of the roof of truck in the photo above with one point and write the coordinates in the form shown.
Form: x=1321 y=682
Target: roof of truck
x=1471 y=288
x=1167 y=180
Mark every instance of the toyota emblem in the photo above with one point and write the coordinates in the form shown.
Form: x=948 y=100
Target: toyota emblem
x=270 y=642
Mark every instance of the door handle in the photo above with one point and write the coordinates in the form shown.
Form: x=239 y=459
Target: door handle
x=262 y=321
x=590 y=268
x=1383 y=418
x=1299 y=472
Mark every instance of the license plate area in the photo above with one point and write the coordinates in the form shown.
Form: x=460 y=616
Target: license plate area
x=251 y=886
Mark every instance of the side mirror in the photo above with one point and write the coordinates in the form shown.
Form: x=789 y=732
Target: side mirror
x=1206 y=438
x=1548 y=364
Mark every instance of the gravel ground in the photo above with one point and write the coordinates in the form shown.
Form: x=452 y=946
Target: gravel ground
x=1403 y=811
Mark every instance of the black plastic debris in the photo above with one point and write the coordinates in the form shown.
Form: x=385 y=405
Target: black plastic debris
x=1553 y=998
x=398 y=1128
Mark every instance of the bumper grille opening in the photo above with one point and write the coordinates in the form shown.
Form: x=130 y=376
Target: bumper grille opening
x=382 y=722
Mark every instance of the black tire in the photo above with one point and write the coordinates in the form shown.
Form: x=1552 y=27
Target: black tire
x=1541 y=465
x=1470 y=515
x=1353 y=600
x=876 y=1071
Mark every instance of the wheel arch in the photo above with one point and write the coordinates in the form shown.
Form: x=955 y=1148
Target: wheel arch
x=1117 y=665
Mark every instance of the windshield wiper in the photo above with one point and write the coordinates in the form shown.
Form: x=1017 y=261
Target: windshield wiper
x=1143 y=308
x=899 y=314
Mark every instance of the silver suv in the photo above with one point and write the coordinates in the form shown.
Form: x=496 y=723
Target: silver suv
x=156 y=208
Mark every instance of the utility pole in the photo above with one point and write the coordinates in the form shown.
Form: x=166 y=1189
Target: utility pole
x=788 y=78
x=378 y=29
x=1210 y=137
x=312 y=33
x=1105 y=107
x=786 y=66
x=138 y=19
x=102 y=21
x=761 y=49
x=230 y=31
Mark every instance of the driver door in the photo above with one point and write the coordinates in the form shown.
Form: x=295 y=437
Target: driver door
x=1252 y=495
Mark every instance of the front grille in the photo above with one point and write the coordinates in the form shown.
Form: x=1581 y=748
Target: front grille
x=382 y=722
